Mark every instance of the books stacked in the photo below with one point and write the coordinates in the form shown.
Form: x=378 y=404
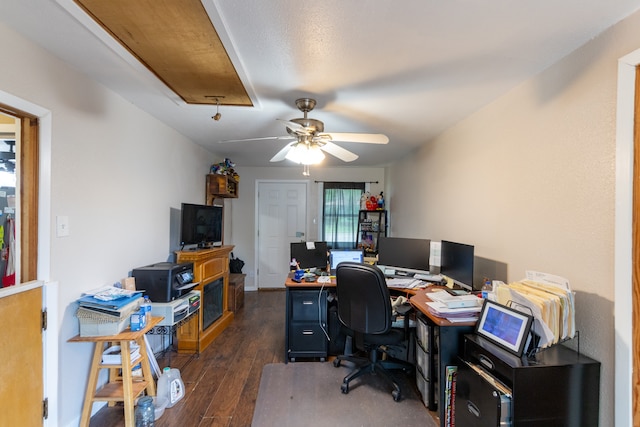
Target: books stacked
x=450 y=396
x=106 y=311
x=113 y=354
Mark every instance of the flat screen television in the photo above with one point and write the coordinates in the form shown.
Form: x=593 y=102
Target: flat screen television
x=310 y=255
x=456 y=262
x=405 y=254
x=201 y=225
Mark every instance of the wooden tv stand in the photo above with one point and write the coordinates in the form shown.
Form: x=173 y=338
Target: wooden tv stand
x=209 y=265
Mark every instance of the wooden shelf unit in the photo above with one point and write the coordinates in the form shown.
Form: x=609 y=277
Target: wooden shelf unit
x=209 y=265
x=221 y=186
x=122 y=386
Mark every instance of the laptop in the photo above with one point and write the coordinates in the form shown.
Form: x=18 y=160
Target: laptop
x=336 y=256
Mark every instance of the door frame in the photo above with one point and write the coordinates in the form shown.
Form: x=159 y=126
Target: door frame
x=625 y=299
x=256 y=255
x=43 y=268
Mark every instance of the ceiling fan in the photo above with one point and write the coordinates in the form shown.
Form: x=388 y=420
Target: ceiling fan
x=310 y=140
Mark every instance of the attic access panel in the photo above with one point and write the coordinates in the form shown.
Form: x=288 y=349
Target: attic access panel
x=176 y=41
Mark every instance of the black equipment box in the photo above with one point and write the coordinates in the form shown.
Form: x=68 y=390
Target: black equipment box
x=164 y=281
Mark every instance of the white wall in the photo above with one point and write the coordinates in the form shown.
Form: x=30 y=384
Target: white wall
x=530 y=181
x=117 y=173
x=240 y=213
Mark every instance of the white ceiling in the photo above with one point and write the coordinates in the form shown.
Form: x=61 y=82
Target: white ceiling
x=408 y=69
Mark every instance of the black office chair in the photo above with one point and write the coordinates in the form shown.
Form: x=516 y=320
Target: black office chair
x=364 y=308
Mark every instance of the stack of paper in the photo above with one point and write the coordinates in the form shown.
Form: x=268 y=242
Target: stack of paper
x=455 y=301
x=408 y=283
x=113 y=354
x=549 y=299
x=110 y=301
x=456 y=315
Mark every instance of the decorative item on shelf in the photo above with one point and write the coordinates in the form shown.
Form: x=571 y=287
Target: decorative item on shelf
x=372 y=203
x=225 y=168
x=380 y=201
x=364 y=199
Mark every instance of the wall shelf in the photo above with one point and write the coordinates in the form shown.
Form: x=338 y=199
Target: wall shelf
x=221 y=186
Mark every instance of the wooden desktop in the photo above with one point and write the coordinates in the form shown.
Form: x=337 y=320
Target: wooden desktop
x=304 y=334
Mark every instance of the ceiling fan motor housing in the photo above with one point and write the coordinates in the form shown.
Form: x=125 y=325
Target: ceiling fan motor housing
x=313 y=126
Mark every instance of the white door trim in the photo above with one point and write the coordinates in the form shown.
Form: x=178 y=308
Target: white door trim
x=623 y=298
x=256 y=249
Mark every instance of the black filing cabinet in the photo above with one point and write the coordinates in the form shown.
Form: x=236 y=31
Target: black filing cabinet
x=557 y=387
x=306 y=324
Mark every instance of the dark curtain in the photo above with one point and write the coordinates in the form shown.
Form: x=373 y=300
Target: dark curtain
x=341 y=205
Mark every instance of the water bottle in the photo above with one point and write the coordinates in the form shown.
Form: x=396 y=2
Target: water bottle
x=487 y=288
x=146 y=306
x=145 y=412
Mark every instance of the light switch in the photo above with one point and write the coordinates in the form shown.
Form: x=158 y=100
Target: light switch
x=62 y=226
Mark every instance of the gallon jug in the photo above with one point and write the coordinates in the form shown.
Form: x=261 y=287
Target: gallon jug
x=170 y=386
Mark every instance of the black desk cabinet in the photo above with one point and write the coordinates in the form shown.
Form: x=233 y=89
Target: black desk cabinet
x=306 y=324
x=557 y=387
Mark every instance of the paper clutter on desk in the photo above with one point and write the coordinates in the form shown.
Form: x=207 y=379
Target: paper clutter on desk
x=464 y=314
x=455 y=301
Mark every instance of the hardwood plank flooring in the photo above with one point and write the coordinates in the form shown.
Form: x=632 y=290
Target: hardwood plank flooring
x=222 y=382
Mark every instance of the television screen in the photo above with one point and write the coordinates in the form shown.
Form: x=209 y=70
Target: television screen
x=310 y=254
x=404 y=253
x=201 y=225
x=456 y=262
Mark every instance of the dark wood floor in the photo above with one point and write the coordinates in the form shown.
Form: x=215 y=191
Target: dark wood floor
x=222 y=382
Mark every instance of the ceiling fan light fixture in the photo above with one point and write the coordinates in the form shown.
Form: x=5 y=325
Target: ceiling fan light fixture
x=306 y=154
x=313 y=156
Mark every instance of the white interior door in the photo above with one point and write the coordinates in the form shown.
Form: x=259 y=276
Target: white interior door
x=282 y=219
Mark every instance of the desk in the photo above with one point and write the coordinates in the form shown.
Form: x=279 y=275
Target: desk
x=306 y=318
x=121 y=387
x=440 y=344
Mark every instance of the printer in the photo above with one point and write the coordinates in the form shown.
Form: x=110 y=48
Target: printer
x=176 y=310
x=165 y=281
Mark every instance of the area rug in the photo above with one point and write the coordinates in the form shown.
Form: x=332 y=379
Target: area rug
x=308 y=394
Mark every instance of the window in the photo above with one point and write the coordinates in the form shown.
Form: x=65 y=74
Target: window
x=341 y=204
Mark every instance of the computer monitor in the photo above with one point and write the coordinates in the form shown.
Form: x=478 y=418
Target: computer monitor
x=405 y=254
x=310 y=254
x=336 y=256
x=456 y=262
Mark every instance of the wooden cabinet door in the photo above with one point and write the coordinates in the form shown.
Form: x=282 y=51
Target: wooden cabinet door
x=21 y=388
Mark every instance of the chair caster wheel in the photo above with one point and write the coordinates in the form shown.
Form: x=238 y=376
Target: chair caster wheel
x=396 y=395
x=345 y=388
x=336 y=363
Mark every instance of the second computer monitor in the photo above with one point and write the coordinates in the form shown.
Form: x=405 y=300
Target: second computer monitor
x=310 y=254
x=404 y=253
x=336 y=256
x=456 y=262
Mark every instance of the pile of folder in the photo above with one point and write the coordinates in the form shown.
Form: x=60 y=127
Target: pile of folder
x=550 y=301
x=106 y=312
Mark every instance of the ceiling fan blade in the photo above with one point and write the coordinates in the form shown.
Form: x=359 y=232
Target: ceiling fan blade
x=366 y=138
x=280 y=155
x=296 y=127
x=256 y=139
x=339 y=152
